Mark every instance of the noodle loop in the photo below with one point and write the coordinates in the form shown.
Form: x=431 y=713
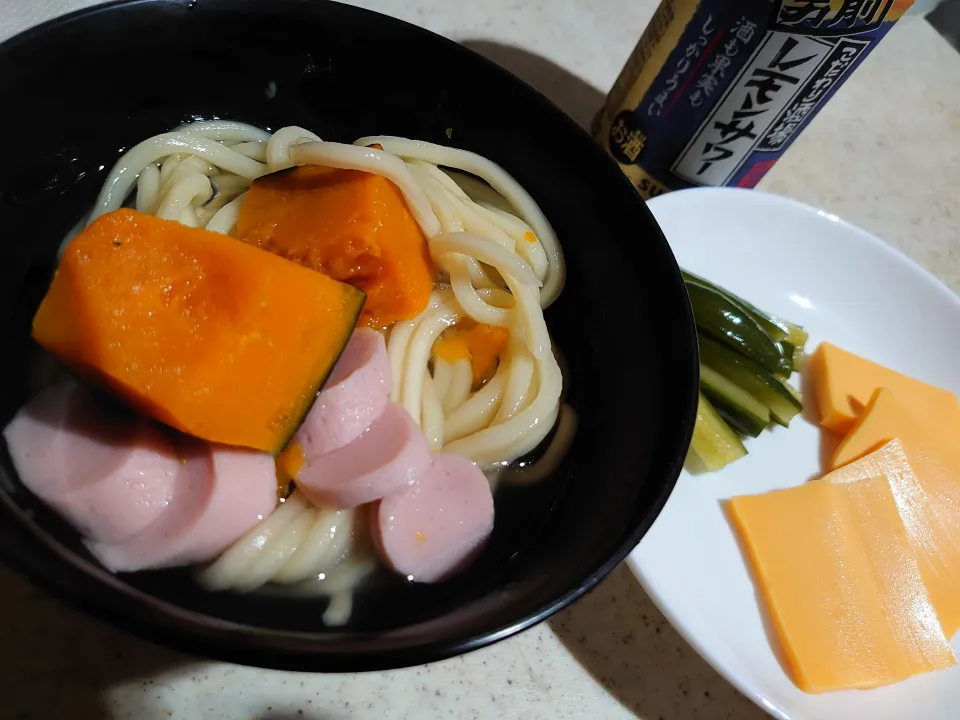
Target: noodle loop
x=499 y=265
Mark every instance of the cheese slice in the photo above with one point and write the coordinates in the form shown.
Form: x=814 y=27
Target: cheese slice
x=842 y=584
x=925 y=481
x=886 y=418
x=844 y=384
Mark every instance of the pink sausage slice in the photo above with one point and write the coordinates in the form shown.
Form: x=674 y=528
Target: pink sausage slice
x=109 y=473
x=221 y=493
x=435 y=528
x=387 y=458
x=355 y=395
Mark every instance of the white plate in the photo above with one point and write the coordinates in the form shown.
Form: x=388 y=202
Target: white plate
x=842 y=285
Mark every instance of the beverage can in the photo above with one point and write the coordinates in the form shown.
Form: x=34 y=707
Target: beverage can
x=716 y=90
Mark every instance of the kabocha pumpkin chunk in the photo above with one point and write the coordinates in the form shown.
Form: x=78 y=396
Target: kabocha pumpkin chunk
x=206 y=334
x=351 y=225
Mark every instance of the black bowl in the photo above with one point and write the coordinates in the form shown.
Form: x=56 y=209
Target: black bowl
x=80 y=89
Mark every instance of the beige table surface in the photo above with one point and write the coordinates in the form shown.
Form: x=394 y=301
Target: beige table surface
x=884 y=154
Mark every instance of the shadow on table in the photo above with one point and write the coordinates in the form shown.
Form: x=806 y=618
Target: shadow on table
x=946 y=19
x=296 y=715
x=58 y=663
x=617 y=634
x=574 y=96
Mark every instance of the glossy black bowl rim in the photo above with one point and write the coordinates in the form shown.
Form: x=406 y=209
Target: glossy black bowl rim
x=156 y=620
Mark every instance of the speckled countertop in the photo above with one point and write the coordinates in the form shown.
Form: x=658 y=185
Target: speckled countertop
x=885 y=154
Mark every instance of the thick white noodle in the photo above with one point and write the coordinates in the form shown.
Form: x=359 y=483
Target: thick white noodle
x=468 y=296
x=466 y=274
x=482 y=276
x=180 y=169
x=459 y=260
x=397 y=345
x=280 y=144
x=476 y=413
x=442 y=374
x=431 y=421
x=276 y=552
x=182 y=194
x=124 y=173
x=473 y=216
x=458 y=390
x=230 y=569
x=322 y=547
x=486 y=251
x=353 y=157
x=547 y=463
x=226 y=130
x=493 y=206
x=148 y=188
x=527 y=318
x=502 y=443
x=519 y=381
x=446 y=211
x=521 y=433
x=478 y=191
x=226 y=218
x=499 y=180
x=188 y=216
x=418 y=355
x=169 y=166
x=514 y=411
x=526 y=240
x=253 y=150
x=226 y=189
x=496 y=297
x=498 y=263
x=297 y=543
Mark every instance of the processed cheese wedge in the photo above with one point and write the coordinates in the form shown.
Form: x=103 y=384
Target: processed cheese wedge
x=886 y=418
x=925 y=481
x=841 y=583
x=844 y=384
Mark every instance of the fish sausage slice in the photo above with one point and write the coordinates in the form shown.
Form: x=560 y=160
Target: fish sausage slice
x=221 y=493
x=387 y=458
x=110 y=474
x=354 y=396
x=435 y=528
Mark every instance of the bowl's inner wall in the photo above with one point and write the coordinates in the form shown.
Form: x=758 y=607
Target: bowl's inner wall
x=86 y=90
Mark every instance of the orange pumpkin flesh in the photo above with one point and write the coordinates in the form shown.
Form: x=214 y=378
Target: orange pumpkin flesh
x=351 y=225
x=206 y=334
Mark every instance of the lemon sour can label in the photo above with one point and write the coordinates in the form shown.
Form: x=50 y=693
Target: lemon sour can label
x=716 y=90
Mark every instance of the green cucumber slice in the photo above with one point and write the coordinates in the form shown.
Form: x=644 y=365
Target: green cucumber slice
x=714 y=443
x=784 y=403
x=792 y=390
x=723 y=319
x=739 y=408
x=796 y=336
x=798 y=358
x=777 y=330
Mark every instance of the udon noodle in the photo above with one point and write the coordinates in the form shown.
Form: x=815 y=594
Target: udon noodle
x=499 y=263
x=296 y=545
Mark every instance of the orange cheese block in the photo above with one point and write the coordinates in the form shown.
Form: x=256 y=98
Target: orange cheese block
x=925 y=481
x=886 y=418
x=842 y=584
x=353 y=226
x=844 y=384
